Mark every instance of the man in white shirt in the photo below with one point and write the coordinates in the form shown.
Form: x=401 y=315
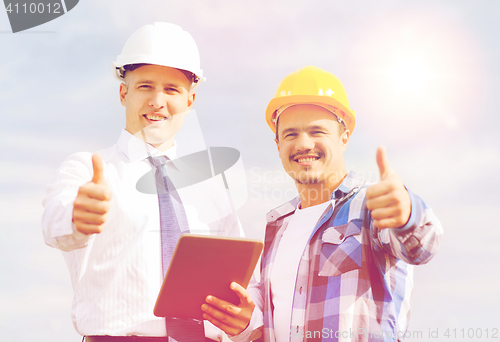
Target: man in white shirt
x=107 y=226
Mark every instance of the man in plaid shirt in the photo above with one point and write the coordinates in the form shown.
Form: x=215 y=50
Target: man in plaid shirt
x=338 y=259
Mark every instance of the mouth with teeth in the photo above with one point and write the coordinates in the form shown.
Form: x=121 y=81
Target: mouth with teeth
x=305 y=159
x=154 y=118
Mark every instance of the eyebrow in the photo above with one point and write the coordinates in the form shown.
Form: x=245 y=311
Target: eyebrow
x=288 y=130
x=308 y=128
x=316 y=127
x=146 y=81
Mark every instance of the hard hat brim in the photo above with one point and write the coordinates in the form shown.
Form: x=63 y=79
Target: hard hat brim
x=345 y=114
x=117 y=74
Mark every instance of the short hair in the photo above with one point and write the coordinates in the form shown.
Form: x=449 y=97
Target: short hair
x=131 y=67
x=341 y=128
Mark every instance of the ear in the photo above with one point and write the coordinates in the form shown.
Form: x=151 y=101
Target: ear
x=191 y=98
x=123 y=94
x=277 y=144
x=344 y=138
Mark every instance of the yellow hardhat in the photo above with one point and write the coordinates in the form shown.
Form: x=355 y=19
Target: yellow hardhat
x=311 y=85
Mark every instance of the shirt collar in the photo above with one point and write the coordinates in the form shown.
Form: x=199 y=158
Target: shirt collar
x=136 y=149
x=350 y=183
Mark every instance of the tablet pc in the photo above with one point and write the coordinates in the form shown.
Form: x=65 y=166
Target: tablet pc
x=205 y=265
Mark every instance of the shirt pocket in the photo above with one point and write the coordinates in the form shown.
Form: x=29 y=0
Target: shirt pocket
x=341 y=249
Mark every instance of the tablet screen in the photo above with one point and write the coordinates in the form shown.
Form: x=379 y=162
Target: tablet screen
x=205 y=265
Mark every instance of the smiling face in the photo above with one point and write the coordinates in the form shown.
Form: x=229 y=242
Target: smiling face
x=156 y=99
x=310 y=147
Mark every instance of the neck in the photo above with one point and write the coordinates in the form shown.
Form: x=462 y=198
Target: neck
x=317 y=193
x=163 y=146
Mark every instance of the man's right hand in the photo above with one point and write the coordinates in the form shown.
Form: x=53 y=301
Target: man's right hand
x=232 y=319
x=92 y=202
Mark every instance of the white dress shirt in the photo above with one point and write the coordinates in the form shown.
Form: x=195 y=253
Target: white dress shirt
x=117 y=274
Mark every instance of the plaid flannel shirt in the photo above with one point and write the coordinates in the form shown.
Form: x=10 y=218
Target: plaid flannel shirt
x=354 y=281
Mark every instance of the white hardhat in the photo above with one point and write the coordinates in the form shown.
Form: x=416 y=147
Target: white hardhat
x=163 y=44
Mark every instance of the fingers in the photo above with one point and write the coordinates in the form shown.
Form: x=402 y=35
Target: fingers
x=389 y=201
x=242 y=294
x=96 y=191
x=89 y=228
x=381 y=195
x=219 y=309
x=383 y=162
x=380 y=189
x=89 y=215
x=223 y=306
x=385 y=213
x=98 y=167
x=391 y=217
x=232 y=319
x=91 y=205
x=388 y=222
x=220 y=323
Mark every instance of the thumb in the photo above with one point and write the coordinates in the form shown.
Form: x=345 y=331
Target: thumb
x=382 y=162
x=98 y=167
x=241 y=292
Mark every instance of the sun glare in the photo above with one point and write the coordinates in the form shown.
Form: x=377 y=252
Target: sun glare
x=410 y=75
x=416 y=76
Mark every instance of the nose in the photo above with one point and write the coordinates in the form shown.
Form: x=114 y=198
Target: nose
x=158 y=100
x=304 y=143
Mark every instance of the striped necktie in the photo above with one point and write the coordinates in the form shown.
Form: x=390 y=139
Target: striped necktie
x=172 y=221
x=172 y=215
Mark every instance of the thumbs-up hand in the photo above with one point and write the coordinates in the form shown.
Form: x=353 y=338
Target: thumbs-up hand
x=388 y=200
x=92 y=202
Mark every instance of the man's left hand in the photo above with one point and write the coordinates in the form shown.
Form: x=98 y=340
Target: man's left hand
x=388 y=200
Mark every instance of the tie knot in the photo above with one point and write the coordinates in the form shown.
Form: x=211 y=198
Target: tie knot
x=158 y=161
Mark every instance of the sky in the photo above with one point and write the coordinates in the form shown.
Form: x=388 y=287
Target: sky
x=422 y=77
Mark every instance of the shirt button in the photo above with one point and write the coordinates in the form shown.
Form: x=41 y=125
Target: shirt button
x=300 y=290
x=341 y=237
